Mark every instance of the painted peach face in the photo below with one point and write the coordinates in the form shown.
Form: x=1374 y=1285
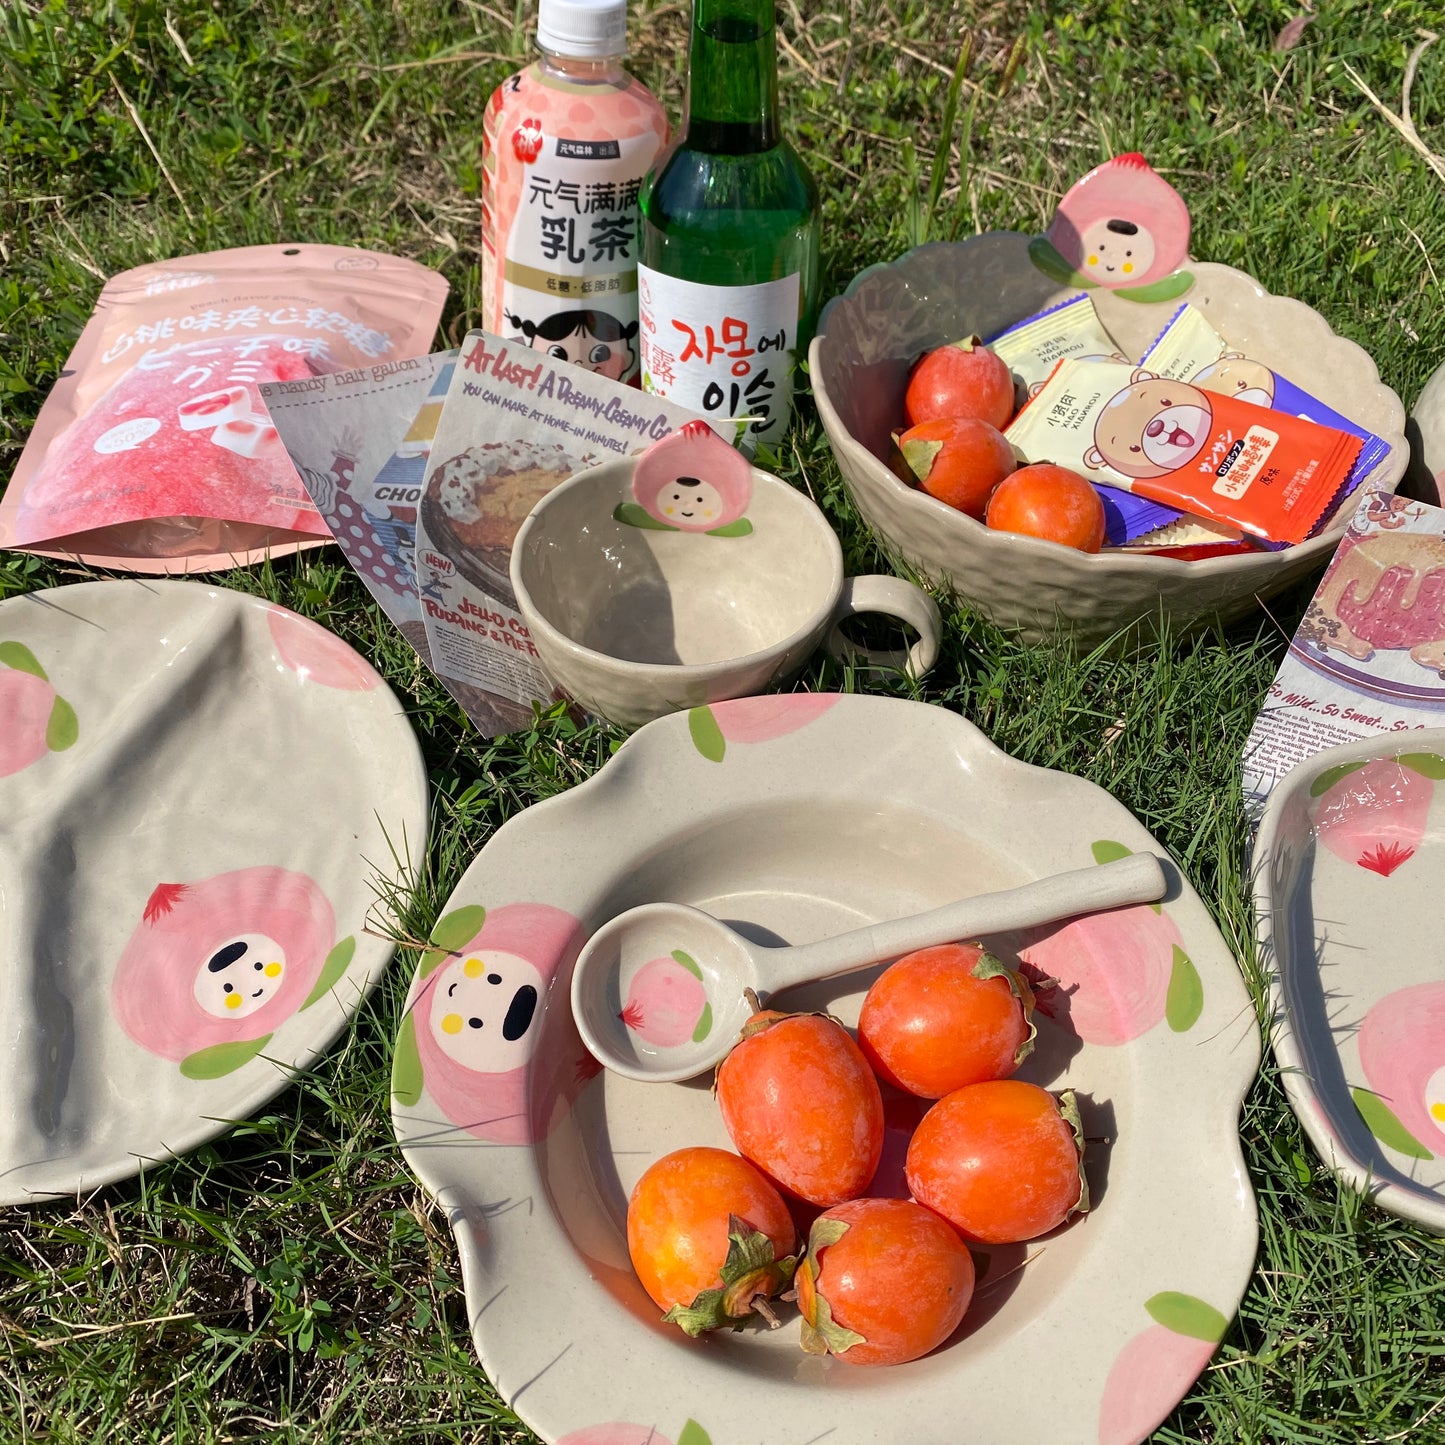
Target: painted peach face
x=484 y=1010
x=689 y=501
x=1116 y=252
x=240 y=975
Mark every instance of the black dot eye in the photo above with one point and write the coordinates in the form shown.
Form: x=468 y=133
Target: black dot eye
x=474 y=1023
x=229 y=988
x=257 y=965
x=1128 y=253
x=494 y=978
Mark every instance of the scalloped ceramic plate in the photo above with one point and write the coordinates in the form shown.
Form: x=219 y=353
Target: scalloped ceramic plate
x=199 y=795
x=869 y=337
x=1349 y=858
x=796 y=817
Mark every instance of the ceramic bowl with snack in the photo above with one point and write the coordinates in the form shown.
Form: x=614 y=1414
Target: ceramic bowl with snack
x=870 y=337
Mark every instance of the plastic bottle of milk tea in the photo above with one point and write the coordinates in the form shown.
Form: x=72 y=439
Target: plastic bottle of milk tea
x=565 y=146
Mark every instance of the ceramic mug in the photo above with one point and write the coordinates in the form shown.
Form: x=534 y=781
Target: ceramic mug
x=637 y=614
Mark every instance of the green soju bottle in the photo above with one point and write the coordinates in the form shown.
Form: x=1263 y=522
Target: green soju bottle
x=728 y=282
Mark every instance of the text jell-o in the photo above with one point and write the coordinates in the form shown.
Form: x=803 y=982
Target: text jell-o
x=1270 y=474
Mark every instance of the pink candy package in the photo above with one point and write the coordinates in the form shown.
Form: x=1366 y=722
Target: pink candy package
x=154 y=451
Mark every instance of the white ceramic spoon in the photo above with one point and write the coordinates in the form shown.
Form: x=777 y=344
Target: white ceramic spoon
x=672 y=937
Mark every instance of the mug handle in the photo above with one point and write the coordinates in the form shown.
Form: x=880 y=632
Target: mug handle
x=893 y=597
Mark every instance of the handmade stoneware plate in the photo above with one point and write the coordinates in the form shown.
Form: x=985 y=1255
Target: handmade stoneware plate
x=201 y=797
x=795 y=817
x=1348 y=863
x=891 y=314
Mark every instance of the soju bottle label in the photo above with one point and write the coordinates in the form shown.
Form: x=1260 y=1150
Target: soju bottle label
x=725 y=351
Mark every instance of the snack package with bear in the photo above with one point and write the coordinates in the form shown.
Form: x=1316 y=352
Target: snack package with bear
x=154 y=451
x=1270 y=474
x=1190 y=349
x=1032 y=348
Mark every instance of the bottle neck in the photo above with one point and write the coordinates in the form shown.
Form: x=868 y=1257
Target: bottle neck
x=732 y=77
x=597 y=70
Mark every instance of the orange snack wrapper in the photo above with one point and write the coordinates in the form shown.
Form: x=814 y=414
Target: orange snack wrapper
x=1271 y=475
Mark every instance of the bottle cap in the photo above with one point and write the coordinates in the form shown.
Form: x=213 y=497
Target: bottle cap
x=584 y=29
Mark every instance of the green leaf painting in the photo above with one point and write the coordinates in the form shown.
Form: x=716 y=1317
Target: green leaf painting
x=1187 y=1314
x=337 y=962
x=1185 y=1000
x=1331 y=776
x=1166 y=288
x=707 y=736
x=1053 y=265
x=20 y=657
x=1380 y=1120
x=63 y=729
x=1430 y=765
x=740 y=528
x=406 y=1076
x=704 y=1024
x=1106 y=850
x=694 y=1434
x=631 y=515
x=222 y=1059
x=688 y=962
x=453 y=931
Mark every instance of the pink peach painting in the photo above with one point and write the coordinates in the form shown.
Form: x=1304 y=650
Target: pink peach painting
x=1117 y=974
x=667 y=1002
x=1155 y=1369
x=1374 y=814
x=754 y=720
x=1402 y=1051
x=37 y=720
x=319 y=656
x=690 y=481
x=215 y=966
x=471 y=1034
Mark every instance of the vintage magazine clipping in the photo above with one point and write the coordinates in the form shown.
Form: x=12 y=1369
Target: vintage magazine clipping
x=1369 y=655
x=517 y=422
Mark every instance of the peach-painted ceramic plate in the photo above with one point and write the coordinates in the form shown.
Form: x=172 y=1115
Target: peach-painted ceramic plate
x=1348 y=863
x=794 y=817
x=200 y=795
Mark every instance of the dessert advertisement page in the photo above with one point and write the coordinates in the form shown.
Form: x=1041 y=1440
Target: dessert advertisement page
x=1369 y=655
x=517 y=422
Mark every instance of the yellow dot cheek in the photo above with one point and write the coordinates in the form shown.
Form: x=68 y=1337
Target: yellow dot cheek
x=272 y=970
x=472 y=968
x=1093 y=260
x=452 y=1024
x=233 y=1000
x=1437 y=1111
x=1128 y=266
x=668 y=510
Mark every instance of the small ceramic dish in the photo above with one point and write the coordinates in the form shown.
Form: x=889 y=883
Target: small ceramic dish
x=891 y=314
x=201 y=796
x=793 y=818
x=640 y=609
x=1350 y=838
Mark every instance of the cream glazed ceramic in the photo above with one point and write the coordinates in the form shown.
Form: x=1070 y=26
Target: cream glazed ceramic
x=1351 y=838
x=891 y=314
x=636 y=616
x=794 y=818
x=200 y=794
x=1428 y=421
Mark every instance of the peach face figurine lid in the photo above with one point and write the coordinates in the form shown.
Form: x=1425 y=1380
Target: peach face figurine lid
x=201 y=798
x=1122 y=227
x=690 y=481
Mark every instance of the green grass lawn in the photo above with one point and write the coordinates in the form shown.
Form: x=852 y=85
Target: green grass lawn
x=291 y=1281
